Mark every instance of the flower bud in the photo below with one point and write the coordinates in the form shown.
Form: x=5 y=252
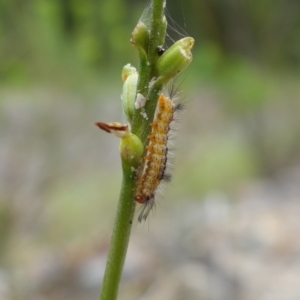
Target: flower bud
x=175 y=59
x=131 y=150
x=130 y=76
x=140 y=39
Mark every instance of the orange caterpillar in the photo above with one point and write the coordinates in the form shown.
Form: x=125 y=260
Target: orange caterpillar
x=155 y=161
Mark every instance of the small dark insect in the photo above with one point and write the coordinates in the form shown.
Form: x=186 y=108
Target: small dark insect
x=160 y=50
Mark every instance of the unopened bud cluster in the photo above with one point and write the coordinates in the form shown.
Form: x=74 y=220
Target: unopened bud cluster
x=167 y=64
x=173 y=60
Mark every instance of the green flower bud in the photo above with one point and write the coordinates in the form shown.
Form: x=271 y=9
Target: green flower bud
x=175 y=59
x=131 y=150
x=130 y=76
x=140 y=39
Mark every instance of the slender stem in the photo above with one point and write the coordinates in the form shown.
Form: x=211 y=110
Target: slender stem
x=119 y=241
x=155 y=33
x=140 y=127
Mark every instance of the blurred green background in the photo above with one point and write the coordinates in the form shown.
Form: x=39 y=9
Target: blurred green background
x=60 y=67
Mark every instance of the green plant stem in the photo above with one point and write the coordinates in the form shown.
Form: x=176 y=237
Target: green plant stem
x=140 y=127
x=119 y=240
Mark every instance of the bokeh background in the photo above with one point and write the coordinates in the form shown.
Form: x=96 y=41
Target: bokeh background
x=228 y=225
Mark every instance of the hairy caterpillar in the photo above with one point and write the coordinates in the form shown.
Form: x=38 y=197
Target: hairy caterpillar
x=154 y=166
